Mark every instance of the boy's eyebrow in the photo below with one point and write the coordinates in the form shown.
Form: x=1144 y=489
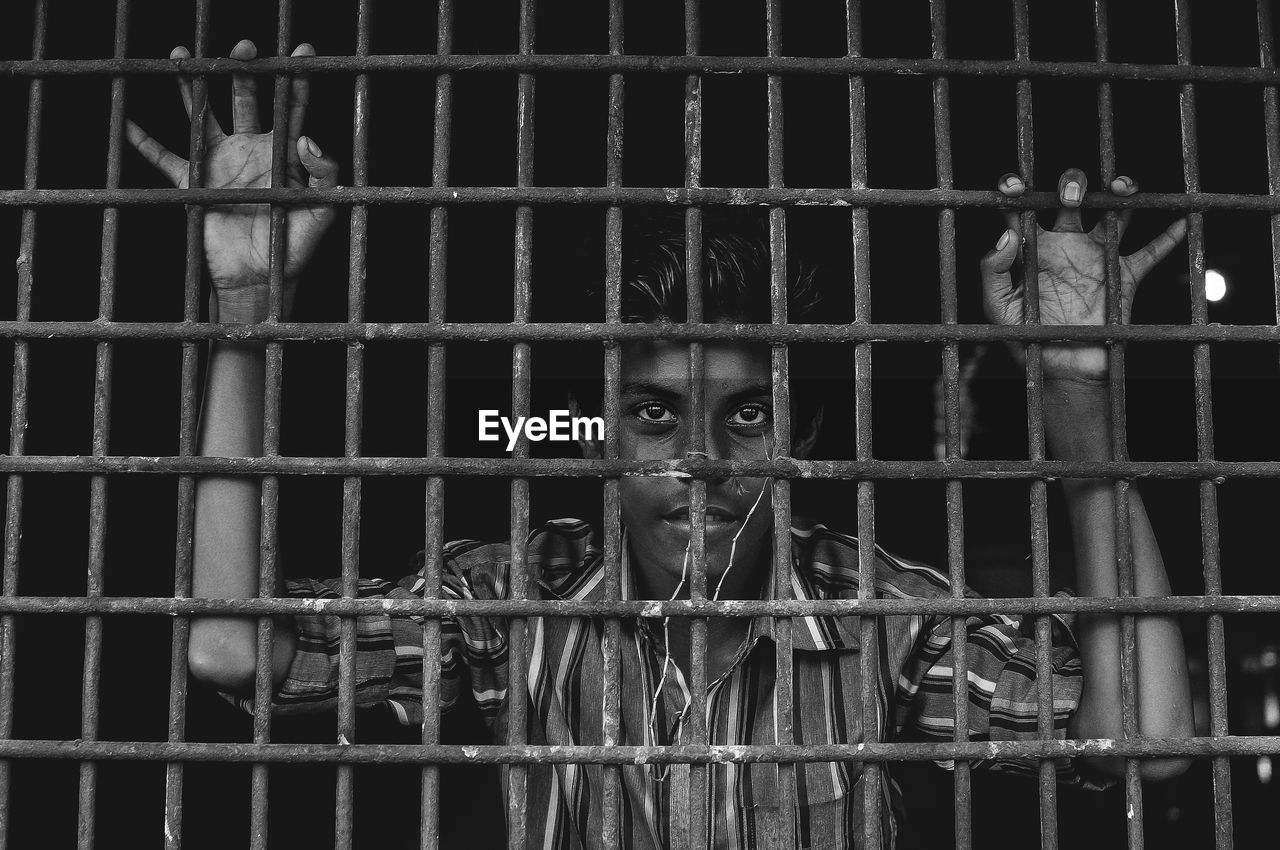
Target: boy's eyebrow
x=646 y=388
x=752 y=391
x=634 y=388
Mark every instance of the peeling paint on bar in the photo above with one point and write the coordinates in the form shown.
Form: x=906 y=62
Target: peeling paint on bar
x=601 y=195
x=1227 y=745
x=604 y=332
x=431 y=608
x=687 y=64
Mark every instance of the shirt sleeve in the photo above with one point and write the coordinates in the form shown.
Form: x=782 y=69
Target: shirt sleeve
x=1002 y=687
x=389 y=648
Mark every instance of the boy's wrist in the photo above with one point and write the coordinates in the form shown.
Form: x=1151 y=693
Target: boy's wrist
x=242 y=305
x=1077 y=419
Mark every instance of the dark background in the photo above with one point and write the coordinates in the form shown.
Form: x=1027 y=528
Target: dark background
x=570 y=150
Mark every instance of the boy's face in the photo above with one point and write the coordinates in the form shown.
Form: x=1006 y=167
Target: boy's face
x=654 y=424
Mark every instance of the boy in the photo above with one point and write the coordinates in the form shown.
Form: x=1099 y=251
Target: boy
x=744 y=802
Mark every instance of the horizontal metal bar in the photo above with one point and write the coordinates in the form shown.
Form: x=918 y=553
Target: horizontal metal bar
x=81 y=605
x=836 y=65
x=927 y=470
x=688 y=754
x=615 y=195
x=502 y=332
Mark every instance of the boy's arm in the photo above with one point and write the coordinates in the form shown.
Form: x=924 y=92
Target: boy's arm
x=1077 y=415
x=223 y=650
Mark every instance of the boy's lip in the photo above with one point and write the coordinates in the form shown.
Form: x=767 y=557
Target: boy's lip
x=714 y=514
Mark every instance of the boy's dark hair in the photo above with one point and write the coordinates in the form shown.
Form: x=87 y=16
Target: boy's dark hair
x=735 y=268
x=735 y=283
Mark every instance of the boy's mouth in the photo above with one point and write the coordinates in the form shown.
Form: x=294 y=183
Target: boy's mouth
x=717 y=519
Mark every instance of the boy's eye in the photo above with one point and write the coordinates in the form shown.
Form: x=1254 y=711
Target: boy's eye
x=750 y=416
x=654 y=413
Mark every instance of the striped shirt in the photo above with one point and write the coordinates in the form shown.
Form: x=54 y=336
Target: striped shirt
x=912 y=692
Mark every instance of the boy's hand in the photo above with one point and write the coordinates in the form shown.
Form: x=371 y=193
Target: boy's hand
x=1071 y=280
x=237 y=237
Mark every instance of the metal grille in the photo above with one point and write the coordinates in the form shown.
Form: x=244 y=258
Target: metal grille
x=857 y=199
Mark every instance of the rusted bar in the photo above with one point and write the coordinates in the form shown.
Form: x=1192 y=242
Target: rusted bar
x=951 y=413
x=687 y=64
x=870 y=628
x=858 y=196
x=1035 y=435
x=437 y=279
x=18 y=410
x=1271 y=121
x=521 y=388
x=547 y=331
x=1123 y=552
x=1119 y=435
x=611 y=645
x=688 y=820
x=187 y=442
x=102 y=374
x=168 y=606
x=870 y=754
x=784 y=723
x=1222 y=803
x=352 y=486
x=579 y=468
x=268 y=576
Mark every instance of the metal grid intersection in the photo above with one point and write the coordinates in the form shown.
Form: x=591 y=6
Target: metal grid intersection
x=692 y=756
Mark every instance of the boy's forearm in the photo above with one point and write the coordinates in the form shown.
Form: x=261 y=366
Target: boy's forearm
x=1078 y=427
x=228 y=512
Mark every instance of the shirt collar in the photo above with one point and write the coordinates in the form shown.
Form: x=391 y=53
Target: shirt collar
x=811 y=633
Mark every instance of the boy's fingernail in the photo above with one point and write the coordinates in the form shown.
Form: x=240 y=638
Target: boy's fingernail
x=313 y=147
x=1004 y=240
x=1071 y=191
x=1013 y=183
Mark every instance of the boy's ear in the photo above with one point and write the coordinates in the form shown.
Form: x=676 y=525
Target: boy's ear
x=591 y=449
x=805 y=440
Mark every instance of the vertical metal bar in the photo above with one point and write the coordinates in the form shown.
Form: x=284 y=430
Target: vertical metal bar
x=1271 y=120
x=784 y=687
x=187 y=421
x=1119 y=438
x=873 y=718
x=18 y=411
x=698 y=789
x=429 y=828
x=1204 y=438
x=352 y=485
x=268 y=576
x=612 y=712
x=521 y=375
x=89 y=702
x=1217 y=661
x=1035 y=432
x=951 y=405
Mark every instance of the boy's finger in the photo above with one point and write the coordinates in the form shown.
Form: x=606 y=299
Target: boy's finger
x=1071 y=189
x=244 y=95
x=1011 y=186
x=170 y=164
x=212 y=129
x=322 y=171
x=300 y=94
x=1156 y=250
x=997 y=282
x=1124 y=187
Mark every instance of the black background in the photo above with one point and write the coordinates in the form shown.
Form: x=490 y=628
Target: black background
x=570 y=150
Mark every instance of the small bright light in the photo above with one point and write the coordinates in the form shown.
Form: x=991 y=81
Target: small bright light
x=1215 y=285
x=1264 y=769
